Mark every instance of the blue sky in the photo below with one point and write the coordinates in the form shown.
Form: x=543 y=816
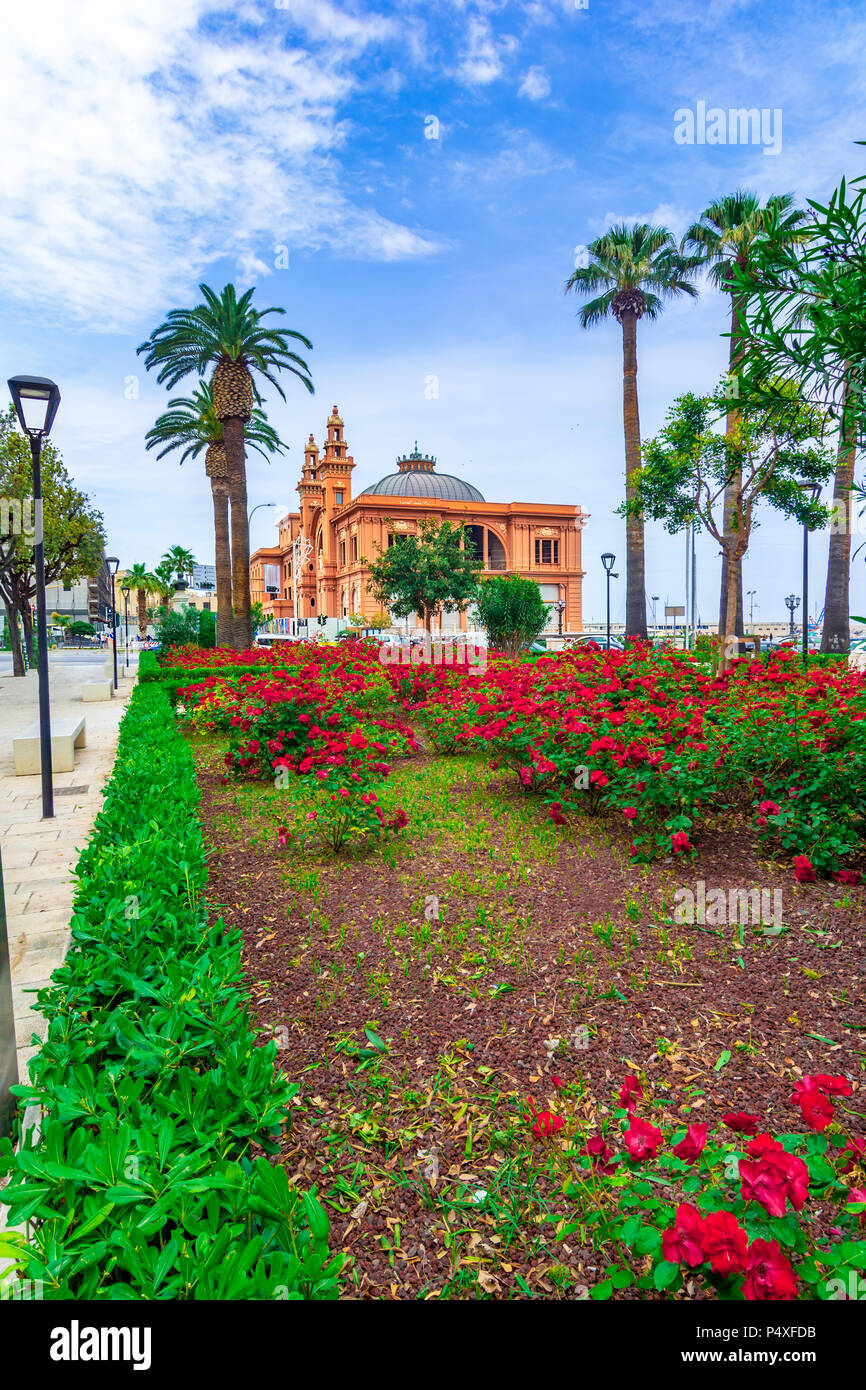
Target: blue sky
x=149 y=147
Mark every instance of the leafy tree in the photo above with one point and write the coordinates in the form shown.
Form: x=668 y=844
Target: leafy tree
x=635 y=269
x=72 y=532
x=723 y=237
x=229 y=335
x=181 y=561
x=191 y=424
x=81 y=629
x=257 y=615
x=689 y=464
x=431 y=572
x=511 y=611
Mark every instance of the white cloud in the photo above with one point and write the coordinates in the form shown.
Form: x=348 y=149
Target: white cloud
x=535 y=85
x=149 y=145
x=482 y=61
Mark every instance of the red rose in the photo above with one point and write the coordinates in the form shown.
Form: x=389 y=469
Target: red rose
x=629 y=812
x=741 y=1122
x=820 y=1081
x=642 y=1139
x=768 y=1273
x=724 y=1242
x=597 y=1150
x=546 y=1123
x=690 y=1148
x=803 y=871
x=631 y=1087
x=769 y=808
x=815 y=1109
x=680 y=842
x=681 y=1244
x=848 y=876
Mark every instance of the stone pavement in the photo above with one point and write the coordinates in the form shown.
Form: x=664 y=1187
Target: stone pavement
x=38 y=855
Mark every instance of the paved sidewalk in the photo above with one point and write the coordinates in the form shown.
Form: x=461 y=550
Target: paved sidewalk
x=38 y=855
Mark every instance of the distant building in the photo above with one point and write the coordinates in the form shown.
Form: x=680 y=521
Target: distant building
x=319 y=566
x=86 y=600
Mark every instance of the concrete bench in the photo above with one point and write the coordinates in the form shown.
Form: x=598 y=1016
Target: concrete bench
x=66 y=736
x=98 y=690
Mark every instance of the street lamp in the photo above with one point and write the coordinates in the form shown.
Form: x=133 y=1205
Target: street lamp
x=560 y=609
x=608 y=561
x=112 y=563
x=812 y=492
x=256 y=508
x=750 y=594
x=655 y=598
x=792 y=603
x=36 y=400
x=124 y=589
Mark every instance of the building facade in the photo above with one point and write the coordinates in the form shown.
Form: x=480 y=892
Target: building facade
x=318 y=568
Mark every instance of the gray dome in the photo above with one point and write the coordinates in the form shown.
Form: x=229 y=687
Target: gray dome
x=418 y=478
x=424 y=485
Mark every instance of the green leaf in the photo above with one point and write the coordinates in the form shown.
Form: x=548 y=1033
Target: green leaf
x=664 y=1274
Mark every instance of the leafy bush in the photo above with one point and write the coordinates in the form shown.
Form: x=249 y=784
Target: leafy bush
x=511 y=611
x=178 y=627
x=152 y=1086
x=207 y=630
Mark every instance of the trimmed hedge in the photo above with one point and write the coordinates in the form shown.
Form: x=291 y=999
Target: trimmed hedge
x=153 y=1089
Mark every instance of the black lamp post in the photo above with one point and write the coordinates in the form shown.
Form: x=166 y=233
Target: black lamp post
x=608 y=561
x=812 y=492
x=560 y=609
x=124 y=589
x=36 y=400
x=792 y=603
x=112 y=563
x=655 y=599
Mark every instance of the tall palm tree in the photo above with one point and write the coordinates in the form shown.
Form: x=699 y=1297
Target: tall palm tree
x=636 y=269
x=190 y=424
x=723 y=237
x=227 y=334
x=139 y=579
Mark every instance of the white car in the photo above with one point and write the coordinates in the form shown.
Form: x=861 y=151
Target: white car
x=272 y=639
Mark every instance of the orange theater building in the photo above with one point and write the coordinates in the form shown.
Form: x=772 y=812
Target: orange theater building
x=318 y=568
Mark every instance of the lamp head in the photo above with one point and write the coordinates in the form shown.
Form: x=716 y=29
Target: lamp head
x=36 y=399
x=608 y=561
x=112 y=563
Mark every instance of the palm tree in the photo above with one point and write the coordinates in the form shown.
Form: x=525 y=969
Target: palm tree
x=191 y=425
x=228 y=334
x=723 y=237
x=635 y=268
x=181 y=560
x=142 y=582
x=162 y=582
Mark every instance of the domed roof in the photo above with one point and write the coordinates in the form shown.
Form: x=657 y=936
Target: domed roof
x=418 y=478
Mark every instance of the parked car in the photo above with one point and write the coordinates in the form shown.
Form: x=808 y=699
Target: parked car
x=271 y=639
x=585 y=639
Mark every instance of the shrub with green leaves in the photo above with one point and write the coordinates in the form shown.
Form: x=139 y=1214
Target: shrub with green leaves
x=154 y=1091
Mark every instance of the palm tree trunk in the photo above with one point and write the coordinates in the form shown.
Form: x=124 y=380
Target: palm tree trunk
x=233 y=435
x=223 y=561
x=141 y=600
x=635 y=598
x=836 y=636
x=731 y=492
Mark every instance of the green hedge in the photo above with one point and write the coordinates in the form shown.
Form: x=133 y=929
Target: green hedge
x=153 y=1090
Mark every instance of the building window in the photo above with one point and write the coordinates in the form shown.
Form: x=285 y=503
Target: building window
x=342 y=554
x=339 y=496
x=546 y=552
x=205 y=608
x=355 y=548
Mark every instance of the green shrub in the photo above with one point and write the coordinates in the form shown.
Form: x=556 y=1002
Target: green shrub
x=152 y=1086
x=511 y=611
x=178 y=627
x=207 y=630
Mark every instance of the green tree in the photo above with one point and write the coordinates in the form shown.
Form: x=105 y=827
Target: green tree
x=228 y=335
x=434 y=571
x=511 y=611
x=190 y=424
x=72 y=531
x=689 y=464
x=257 y=614
x=802 y=318
x=139 y=579
x=723 y=238
x=177 y=627
x=181 y=560
x=631 y=271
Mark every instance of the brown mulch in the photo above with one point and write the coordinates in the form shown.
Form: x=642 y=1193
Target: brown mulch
x=710 y=1025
